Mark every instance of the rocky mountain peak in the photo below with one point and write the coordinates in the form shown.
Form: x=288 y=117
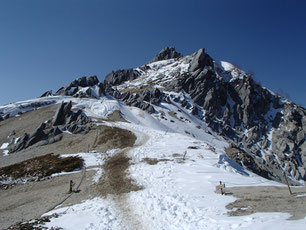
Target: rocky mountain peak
x=167 y=53
x=261 y=127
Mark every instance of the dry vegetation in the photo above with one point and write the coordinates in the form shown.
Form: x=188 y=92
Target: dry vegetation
x=154 y=161
x=136 y=90
x=115 y=180
x=40 y=167
x=33 y=224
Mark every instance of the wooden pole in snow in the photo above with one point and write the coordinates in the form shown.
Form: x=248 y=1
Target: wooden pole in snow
x=287 y=183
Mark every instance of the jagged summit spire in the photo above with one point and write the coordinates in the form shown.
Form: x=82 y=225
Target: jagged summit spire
x=167 y=53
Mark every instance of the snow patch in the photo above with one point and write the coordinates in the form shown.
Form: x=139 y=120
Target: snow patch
x=4 y=145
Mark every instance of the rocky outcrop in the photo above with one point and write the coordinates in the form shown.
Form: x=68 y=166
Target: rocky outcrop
x=120 y=76
x=142 y=100
x=52 y=131
x=245 y=113
x=47 y=94
x=83 y=87
x=167 y=53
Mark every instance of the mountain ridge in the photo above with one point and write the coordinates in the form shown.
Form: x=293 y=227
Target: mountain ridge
x=266 y=133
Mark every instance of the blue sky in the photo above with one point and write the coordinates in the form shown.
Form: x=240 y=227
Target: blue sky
x=47 y=44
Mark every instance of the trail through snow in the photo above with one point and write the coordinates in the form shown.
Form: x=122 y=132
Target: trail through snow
x=177 y=194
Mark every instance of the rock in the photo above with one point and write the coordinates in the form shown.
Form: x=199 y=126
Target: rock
x=54 y=132
x=82 y=81
x=120 y=76
x=168 y=100
x=166 y=53
x=93 y=80
x=63 y=110
x=200 y=60
x=13 y=133
x=101 y=86
x=21 y=143
x=194 y=110
x=54 y=139
x=300 y=137
x=47 y=94
x=73 y=89
x=36 y=136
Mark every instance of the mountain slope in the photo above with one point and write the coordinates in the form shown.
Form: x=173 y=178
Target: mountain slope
x=261 y=127
x=196 y=122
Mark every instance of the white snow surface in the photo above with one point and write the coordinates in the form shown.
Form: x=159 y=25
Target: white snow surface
x=227 y=66
x=231 y=72
x=177 y=193
x=4 y=145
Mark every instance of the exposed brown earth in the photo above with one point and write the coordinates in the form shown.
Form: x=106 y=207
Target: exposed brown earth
x=113 y=138
x=115 y=180
x=154 y=161
x=268 y=199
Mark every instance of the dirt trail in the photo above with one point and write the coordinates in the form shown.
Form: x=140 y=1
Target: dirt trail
x=117 y=183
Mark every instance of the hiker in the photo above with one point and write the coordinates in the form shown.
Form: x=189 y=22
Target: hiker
x=222 y=188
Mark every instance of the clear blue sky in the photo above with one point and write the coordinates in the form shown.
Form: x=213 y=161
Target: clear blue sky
x=46 y=44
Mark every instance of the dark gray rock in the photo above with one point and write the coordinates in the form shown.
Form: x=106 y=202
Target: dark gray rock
x=6 y=116
x=36 y=136
x=200 y=60
x=167 y=53
x=120 y=76
x=194 y=110
x=63 y=110
x=21 y=143
x=47 y=94
x=73 y=88
x=93 y=80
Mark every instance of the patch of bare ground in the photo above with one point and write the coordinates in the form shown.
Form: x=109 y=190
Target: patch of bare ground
x=113 y=138
x=154 y=161
x=116 y=180
x=116 y=116
x=268 y=199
